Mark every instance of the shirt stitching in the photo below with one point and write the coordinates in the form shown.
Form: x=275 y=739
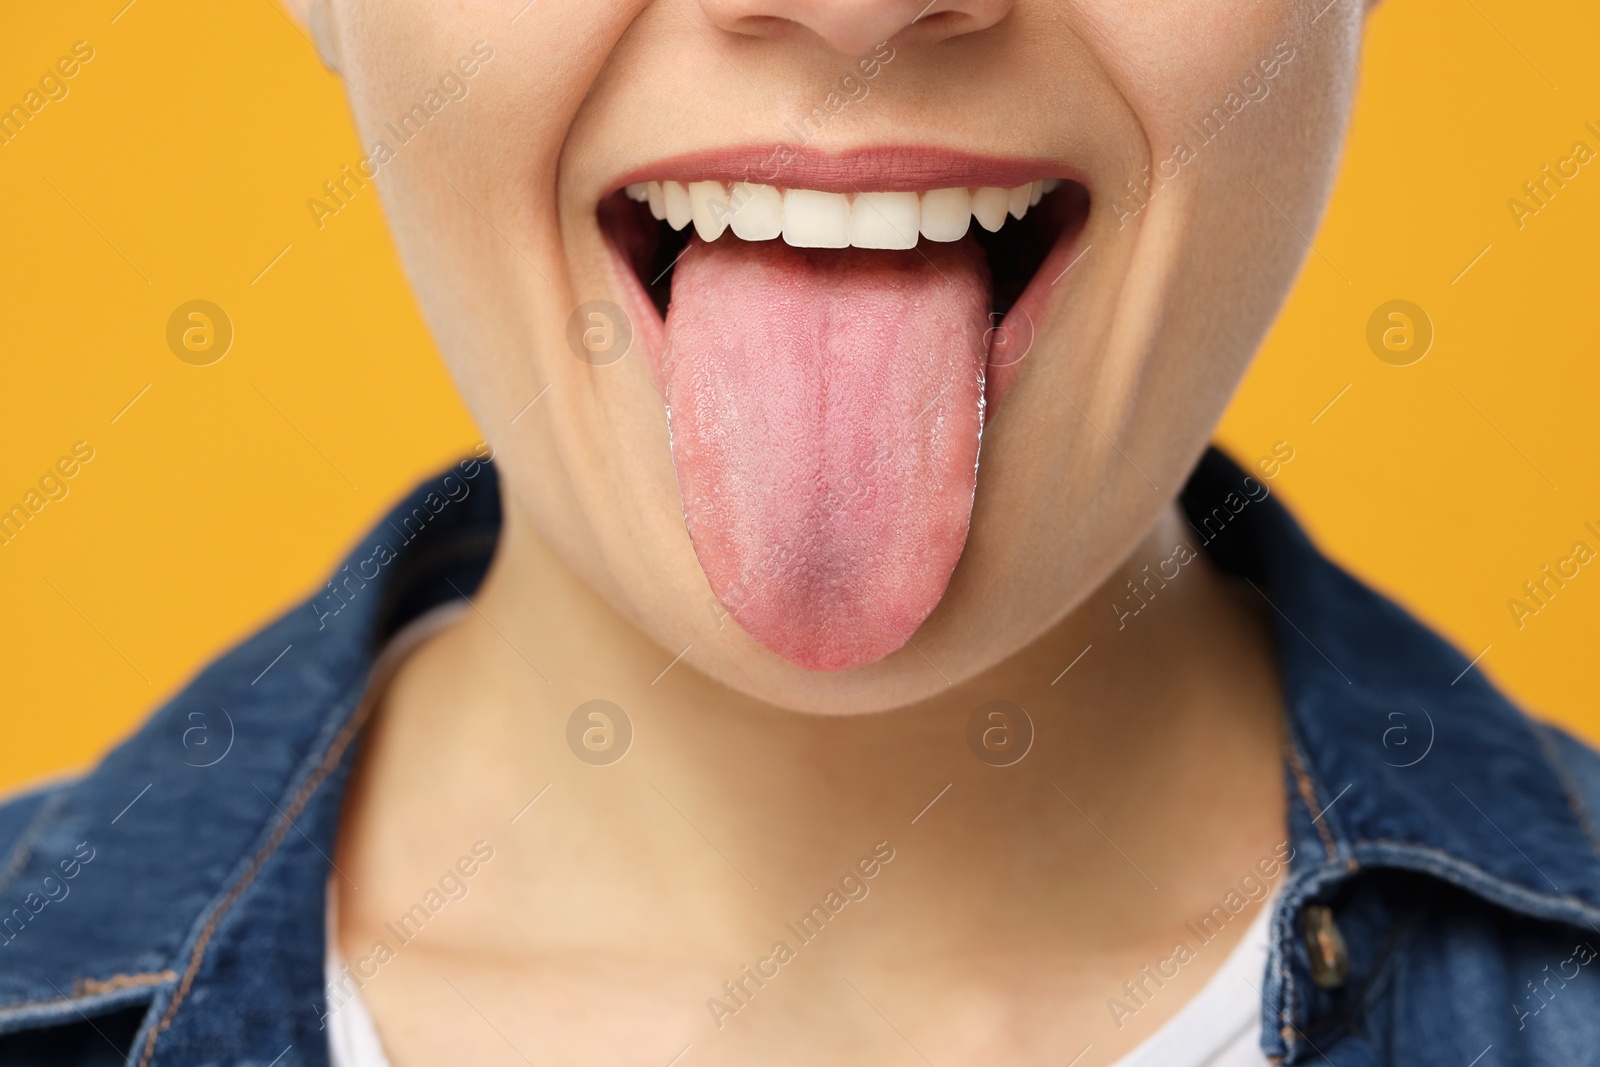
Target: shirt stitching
x=1558 y=763
x=88 y=987
x=91 y=987
x=22 y=851
x=330 y=760
x=1308 y=794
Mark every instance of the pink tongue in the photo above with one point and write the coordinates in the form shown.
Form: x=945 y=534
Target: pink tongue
x=825 y=409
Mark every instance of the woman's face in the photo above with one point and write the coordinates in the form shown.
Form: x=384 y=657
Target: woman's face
x=781 y=469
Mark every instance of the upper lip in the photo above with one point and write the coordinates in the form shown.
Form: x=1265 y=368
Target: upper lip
x=883 y=168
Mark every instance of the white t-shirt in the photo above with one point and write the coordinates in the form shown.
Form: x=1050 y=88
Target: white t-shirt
x=352 y=1038
x=1219 y=1027
x=1221 y=1024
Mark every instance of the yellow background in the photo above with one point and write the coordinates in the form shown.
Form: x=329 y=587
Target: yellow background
x=178 y=168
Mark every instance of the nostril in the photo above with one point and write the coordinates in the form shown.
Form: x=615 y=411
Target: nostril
x=853 y=27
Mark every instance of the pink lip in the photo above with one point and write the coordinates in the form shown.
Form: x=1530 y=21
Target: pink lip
x=882 y=168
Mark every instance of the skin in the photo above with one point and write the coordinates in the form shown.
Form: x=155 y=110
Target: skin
x=1022 y=900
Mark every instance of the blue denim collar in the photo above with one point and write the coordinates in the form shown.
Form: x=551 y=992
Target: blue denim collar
x=1401 y=755
x=211 y=828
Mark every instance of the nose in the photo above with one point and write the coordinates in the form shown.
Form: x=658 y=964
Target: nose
x=852 y=27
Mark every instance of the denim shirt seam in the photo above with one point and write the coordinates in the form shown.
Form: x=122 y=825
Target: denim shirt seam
x=1569 y=785
x=309 y=781
x=120 y=990
x=1442 y=864
x=1307 y=788
x=1332 y=868
x=22 y=848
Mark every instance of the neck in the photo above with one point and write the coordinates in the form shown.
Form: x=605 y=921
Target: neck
x=746 y=815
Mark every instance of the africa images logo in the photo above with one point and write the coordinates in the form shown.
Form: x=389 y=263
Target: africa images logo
x=853 y=887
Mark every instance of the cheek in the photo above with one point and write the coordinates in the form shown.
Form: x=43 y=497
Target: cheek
x=1204 y=50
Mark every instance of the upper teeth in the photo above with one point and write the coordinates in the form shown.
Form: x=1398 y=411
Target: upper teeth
x=807 y=218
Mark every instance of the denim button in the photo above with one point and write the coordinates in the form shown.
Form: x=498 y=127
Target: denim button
x=1330 y=960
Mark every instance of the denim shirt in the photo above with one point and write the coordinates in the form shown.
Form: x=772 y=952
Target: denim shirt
x=1442 y=904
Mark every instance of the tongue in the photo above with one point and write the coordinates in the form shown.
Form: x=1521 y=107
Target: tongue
x=825 y=408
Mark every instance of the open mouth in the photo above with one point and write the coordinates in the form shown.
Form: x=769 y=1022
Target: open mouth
x=828 y=344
